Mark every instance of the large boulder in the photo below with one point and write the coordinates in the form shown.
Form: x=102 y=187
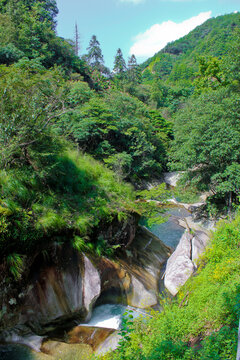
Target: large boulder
x=199 y=243
x=62 y=288
x=183 y=261
x=133 y=277
x=109 y=344
x=62 y=350
x=179 y=265
x=91 y=285
x=58 y=283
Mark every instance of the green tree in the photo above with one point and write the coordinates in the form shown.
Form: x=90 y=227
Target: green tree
x=119 y=63
x=45 y=10
x=94 y=56
x=207 y=140
x=211 y=75
x=147 y=76
x=232 y=62
x=119 y=130
x=27 y=29
x=163 y=65
x=24 y=122
x=228 y=182
x=134 y=73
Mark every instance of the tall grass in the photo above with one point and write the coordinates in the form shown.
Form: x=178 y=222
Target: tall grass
x=205 y=312
x=64 y=194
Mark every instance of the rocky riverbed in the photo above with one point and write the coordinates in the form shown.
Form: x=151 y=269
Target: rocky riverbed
x=57 y=309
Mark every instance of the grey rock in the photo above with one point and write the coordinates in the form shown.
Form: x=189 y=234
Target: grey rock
x=141 y=297
x=22 y=335
x=179 y=265
x=199 y=243
x=110 y=343
x=63 y=288
x=91 y=284
x=183 y=262
x=178 y=273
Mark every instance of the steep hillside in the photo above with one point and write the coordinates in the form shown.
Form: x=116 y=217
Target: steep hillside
x=51 y=191
x=178 y=60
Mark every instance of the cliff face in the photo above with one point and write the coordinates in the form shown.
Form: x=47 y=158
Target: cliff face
x=62 y=289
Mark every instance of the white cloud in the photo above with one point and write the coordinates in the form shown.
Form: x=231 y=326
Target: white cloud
x=176 y=0
x=133 y=1
x=156 y=38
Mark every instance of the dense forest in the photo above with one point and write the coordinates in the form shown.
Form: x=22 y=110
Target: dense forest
x=56 y=110
x=78 y=142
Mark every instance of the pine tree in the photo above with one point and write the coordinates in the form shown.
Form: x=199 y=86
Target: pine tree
x=132 y=62
x=94 y=56
x=119 y=63
x=134 y=74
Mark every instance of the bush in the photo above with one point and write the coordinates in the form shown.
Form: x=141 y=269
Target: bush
x=205 y=312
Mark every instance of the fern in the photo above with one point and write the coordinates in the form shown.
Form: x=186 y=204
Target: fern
x=79 y=243
x=16 y=265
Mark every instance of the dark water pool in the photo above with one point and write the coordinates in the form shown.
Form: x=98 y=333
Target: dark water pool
x=15 y=352
x=170 y=232
x=111 y=315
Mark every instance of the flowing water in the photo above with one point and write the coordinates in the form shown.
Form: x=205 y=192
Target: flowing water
x=110 y=315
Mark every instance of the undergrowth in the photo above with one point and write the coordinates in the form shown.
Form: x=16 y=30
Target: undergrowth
x=60 y=197
x=202 y=322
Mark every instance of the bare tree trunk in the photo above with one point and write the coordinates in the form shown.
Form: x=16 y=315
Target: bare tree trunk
x=76 y=40
x=238 y=350
x=230 y=204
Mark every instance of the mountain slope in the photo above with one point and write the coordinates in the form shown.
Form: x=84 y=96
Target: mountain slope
x=178 y=60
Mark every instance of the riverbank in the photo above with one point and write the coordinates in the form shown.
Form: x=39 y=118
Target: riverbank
x=202 y=321
x=132 y=279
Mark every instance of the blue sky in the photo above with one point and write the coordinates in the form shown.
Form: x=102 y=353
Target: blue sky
x=141 y=27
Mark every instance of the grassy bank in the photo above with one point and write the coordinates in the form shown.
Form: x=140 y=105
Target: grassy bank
x=202 y=322
x=59 y=197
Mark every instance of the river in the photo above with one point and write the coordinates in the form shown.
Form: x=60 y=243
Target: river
x=110 y=315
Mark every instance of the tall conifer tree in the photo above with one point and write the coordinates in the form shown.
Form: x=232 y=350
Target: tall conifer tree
x=94 y=55
x=119 y=63
x=134 y=74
